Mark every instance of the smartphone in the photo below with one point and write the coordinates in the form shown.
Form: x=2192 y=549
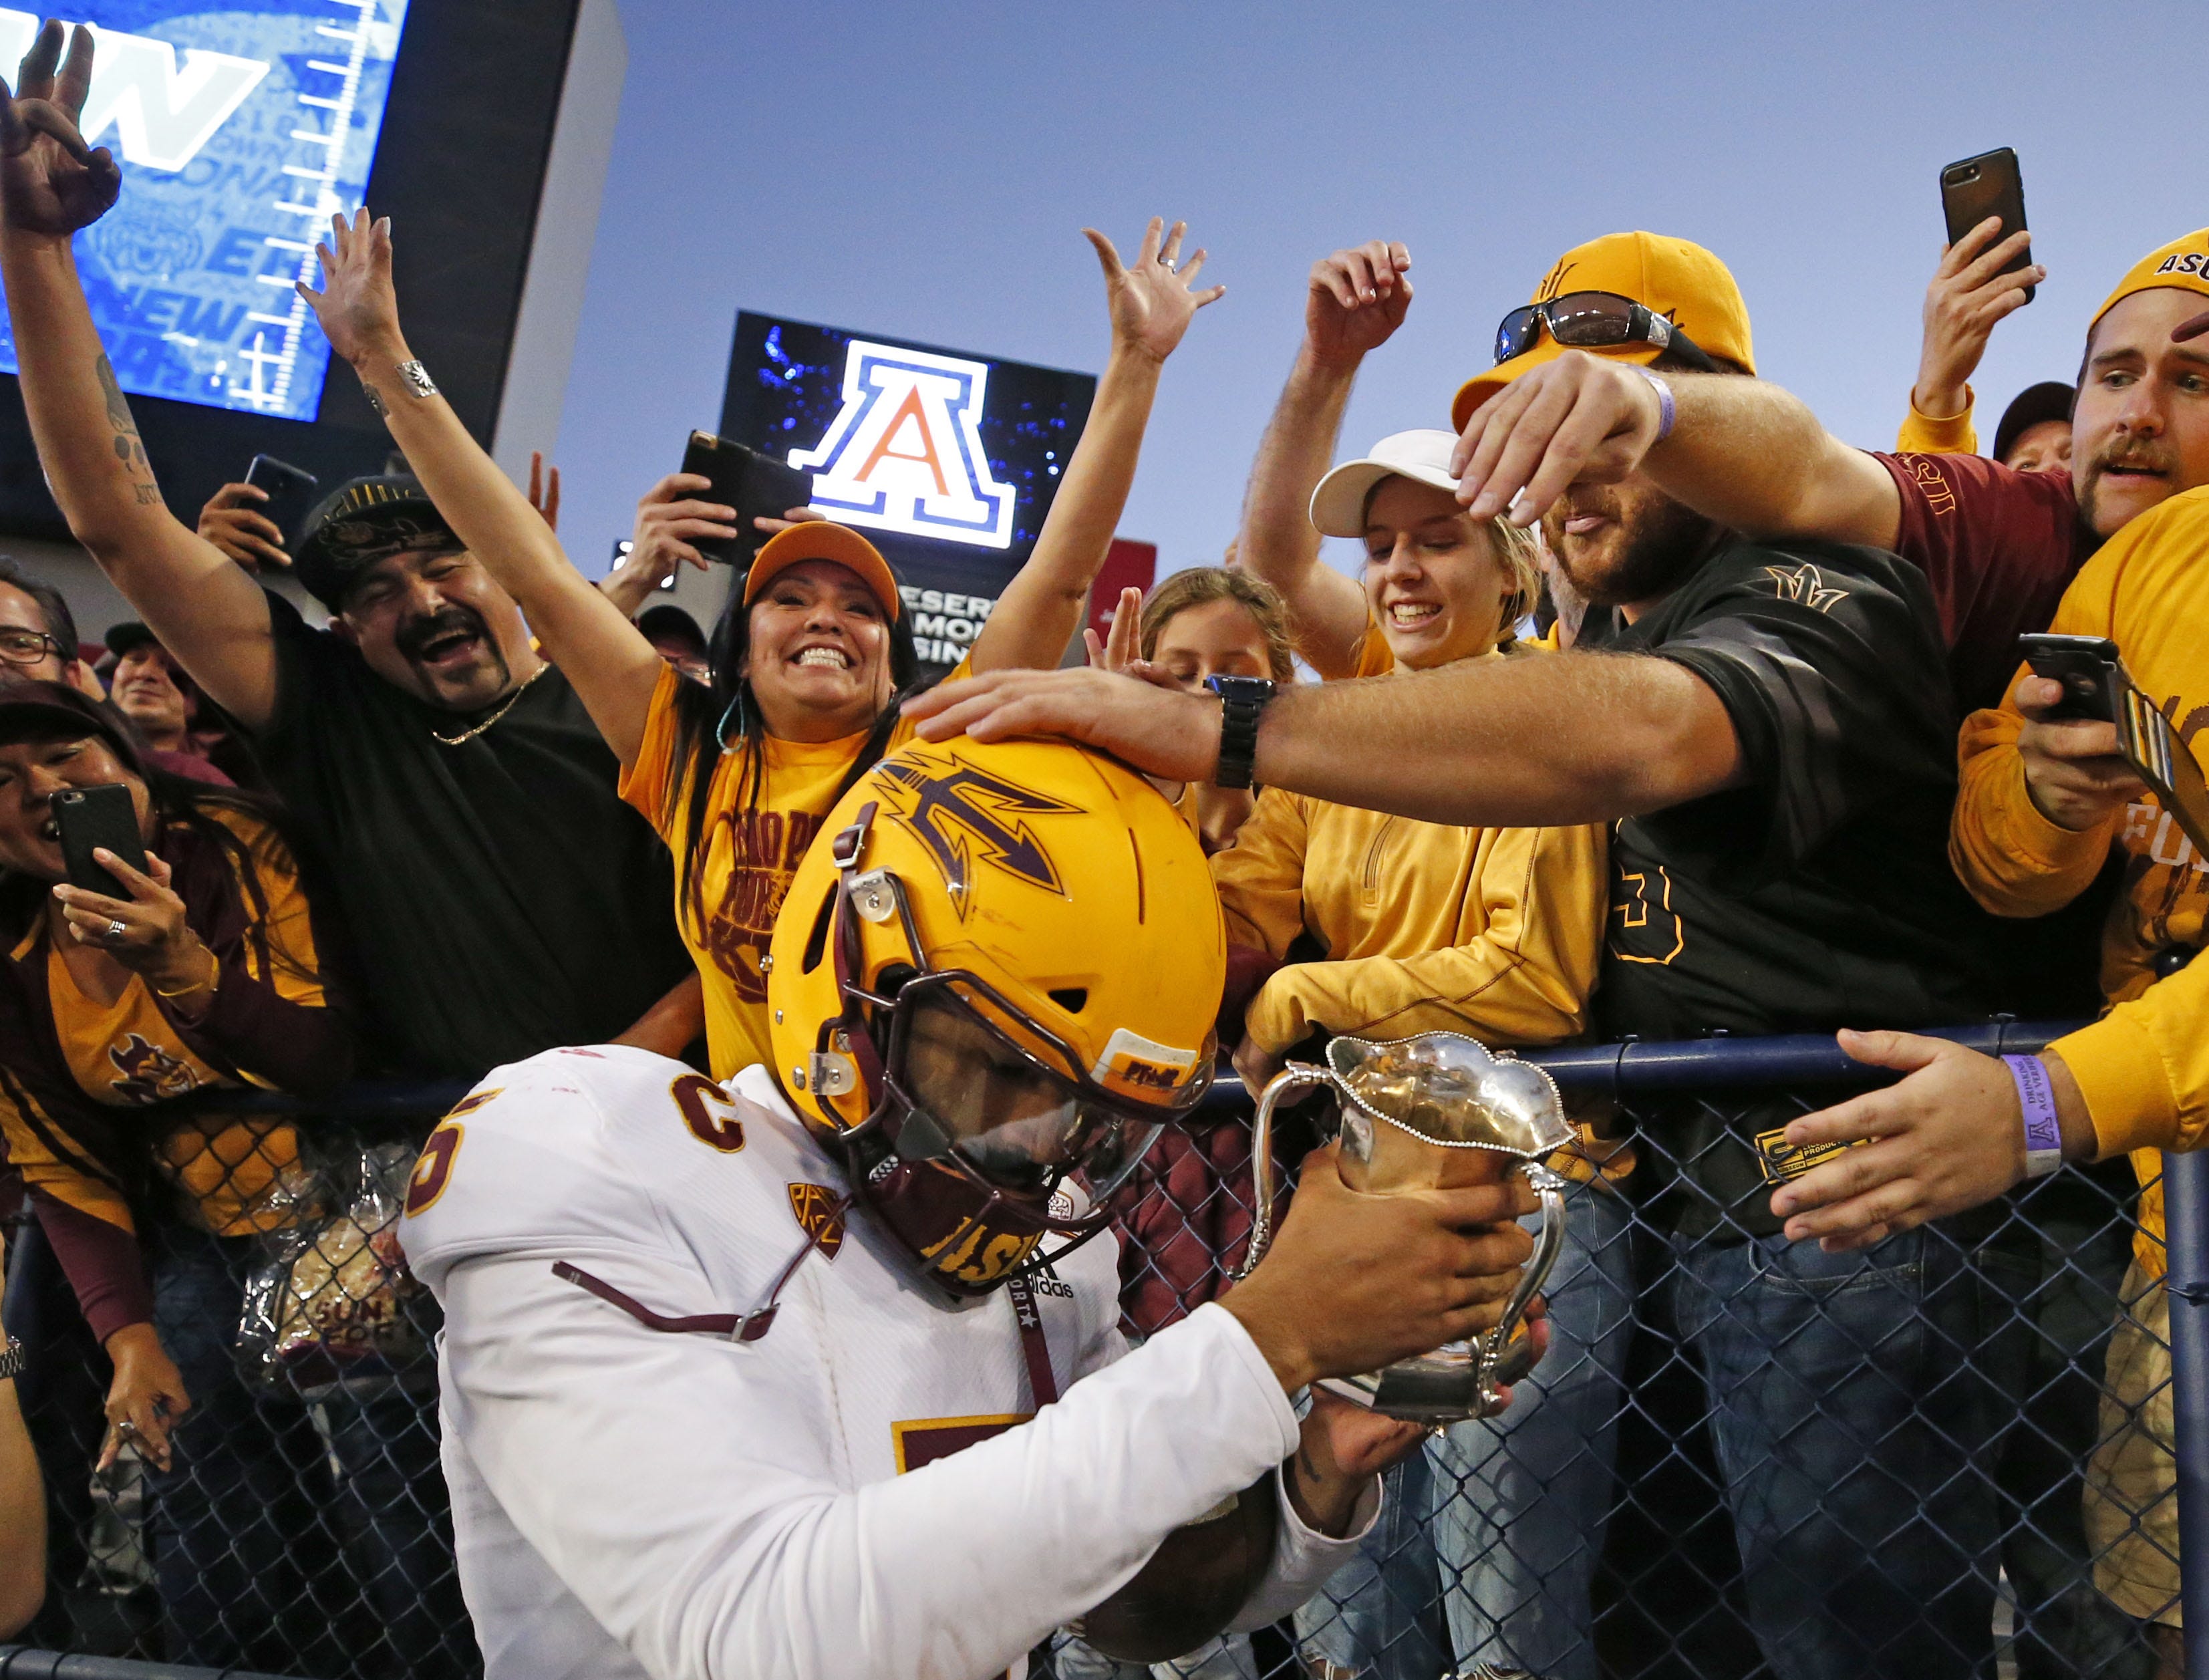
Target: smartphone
x=756 y=485
x=621 y=552
x=2088 y=667
x=1989 y=184
x=290 y=494
x=2096 y=685
x=90 y=817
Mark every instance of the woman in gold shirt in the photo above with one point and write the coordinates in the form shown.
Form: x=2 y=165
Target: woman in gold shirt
x=813 y=653
x=1491 y=932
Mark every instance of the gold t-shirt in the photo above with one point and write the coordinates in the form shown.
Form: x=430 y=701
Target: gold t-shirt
x=752 y=849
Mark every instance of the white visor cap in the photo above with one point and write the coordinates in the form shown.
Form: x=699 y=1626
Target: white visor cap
x=1337 y=506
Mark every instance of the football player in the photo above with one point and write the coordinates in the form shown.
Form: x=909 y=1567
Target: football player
x=817 y=1373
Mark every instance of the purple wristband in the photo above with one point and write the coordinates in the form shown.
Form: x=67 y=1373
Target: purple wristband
x=1666 y=411
x=2043 y=1132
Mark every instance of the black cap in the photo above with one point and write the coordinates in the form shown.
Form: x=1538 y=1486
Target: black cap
x=2050 y=400
x=362 y=522
x=122 y=638
x=667 y=621
x=35 y=711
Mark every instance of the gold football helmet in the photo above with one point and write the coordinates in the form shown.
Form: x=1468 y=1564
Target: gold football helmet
x=995 y=971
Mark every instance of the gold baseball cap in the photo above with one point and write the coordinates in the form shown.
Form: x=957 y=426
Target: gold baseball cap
x=824 y=540
x=2183 y=264
x=1681 y=281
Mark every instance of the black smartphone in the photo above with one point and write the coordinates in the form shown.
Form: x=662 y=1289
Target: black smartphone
x=2096 y=685
x=1973 y=189
x=2092 y=675
x=90 y=817
x=756 y=485
x=290 y=494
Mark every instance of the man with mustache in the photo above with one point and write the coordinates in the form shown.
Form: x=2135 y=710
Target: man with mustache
x=1775 y=724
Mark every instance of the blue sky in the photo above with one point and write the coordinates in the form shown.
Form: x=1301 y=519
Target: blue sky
x=924 y=172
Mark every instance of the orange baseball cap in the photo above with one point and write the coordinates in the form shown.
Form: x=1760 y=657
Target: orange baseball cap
x=2183 y=264
x=824 y=540
x=1682 y=282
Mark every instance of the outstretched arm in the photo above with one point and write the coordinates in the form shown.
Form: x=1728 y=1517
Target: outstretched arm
x=1152 y=305
x=612 y=666
x=1623 y=734
x=203 y=608
x=1742 y=451
x=1357 y=298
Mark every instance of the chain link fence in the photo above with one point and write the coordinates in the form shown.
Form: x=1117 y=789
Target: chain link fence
x=1949 y=1455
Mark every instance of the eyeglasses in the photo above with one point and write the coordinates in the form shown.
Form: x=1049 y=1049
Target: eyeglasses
x=1594 y=321
x=22 y=646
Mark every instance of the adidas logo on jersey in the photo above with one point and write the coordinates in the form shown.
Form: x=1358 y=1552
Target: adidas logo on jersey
x=904 y=451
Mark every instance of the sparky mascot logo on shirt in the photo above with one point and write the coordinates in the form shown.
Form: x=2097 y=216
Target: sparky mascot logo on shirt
x=905 y=451
x=969 y=817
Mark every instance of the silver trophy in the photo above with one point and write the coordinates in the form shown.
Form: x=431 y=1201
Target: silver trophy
x=1431 y=1112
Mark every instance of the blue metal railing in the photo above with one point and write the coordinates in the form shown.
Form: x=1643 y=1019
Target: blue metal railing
x=1614 y=1069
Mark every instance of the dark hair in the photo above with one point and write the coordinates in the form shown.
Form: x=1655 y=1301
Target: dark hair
x=702 y=711
x=53 y=605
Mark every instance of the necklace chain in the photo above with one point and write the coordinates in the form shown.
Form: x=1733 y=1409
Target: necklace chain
x=463 y=738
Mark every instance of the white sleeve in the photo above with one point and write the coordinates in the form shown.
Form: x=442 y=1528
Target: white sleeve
x=666 y=1482
x=1304 y=1558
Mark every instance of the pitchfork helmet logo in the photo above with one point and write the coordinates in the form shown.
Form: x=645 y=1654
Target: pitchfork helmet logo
x=971 y=818
x=905 y=451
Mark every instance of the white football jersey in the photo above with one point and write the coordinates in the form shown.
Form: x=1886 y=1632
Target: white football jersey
x=866 y=1489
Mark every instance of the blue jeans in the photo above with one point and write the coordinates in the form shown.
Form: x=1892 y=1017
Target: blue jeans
x=1379 y=1615
x=1854 y=1441
x=1521 y=1500
x=265 y=1559
x=1226 y=1658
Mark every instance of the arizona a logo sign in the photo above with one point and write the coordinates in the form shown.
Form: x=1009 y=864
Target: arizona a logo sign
x=904 y=451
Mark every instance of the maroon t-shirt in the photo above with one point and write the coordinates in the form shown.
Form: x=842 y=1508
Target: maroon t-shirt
x=1999 y=547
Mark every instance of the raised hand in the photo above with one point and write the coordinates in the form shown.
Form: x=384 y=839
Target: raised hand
x=1151 y=302
x=1122 y=647
x=253 y=539
x=357 y=306
x=51 y=182
x=1968 y=295
x=1357 y=299
x=543 y=492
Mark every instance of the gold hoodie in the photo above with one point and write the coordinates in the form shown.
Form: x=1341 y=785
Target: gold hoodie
x=2144 y=1066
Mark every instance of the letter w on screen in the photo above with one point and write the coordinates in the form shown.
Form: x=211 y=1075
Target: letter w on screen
x=905 y=451
x=160 y=114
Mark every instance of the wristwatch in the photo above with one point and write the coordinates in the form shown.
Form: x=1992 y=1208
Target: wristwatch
x=1241 y=701
x=13 y=1361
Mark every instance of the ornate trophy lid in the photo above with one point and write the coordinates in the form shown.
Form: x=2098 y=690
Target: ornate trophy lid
x=1451 y=1091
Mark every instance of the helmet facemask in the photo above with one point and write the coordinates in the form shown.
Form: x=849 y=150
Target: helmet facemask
x=983 y=1122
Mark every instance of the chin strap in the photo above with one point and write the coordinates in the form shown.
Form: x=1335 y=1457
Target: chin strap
x=859 y=1040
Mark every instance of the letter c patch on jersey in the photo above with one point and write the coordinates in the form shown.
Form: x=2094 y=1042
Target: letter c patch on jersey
x=708 y=1112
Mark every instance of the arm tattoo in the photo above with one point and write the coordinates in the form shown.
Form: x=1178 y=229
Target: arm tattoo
x=128 y=449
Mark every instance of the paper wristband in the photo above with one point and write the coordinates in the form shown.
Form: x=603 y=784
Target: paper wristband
x=2044 y=1133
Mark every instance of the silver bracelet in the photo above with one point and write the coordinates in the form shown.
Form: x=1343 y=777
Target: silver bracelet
x=13 y=1361
x=375 y=400
x=417 y=380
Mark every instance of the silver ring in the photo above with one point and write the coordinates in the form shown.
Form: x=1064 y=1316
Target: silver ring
x=115 y=931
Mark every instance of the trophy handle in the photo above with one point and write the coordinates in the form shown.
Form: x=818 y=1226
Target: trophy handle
x=1294 y=1077
x=1547 y=1246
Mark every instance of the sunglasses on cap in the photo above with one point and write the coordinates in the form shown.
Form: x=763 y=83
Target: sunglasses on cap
x=1594 y=321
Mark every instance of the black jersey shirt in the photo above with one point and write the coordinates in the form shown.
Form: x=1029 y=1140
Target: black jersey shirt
x=1817 y=896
